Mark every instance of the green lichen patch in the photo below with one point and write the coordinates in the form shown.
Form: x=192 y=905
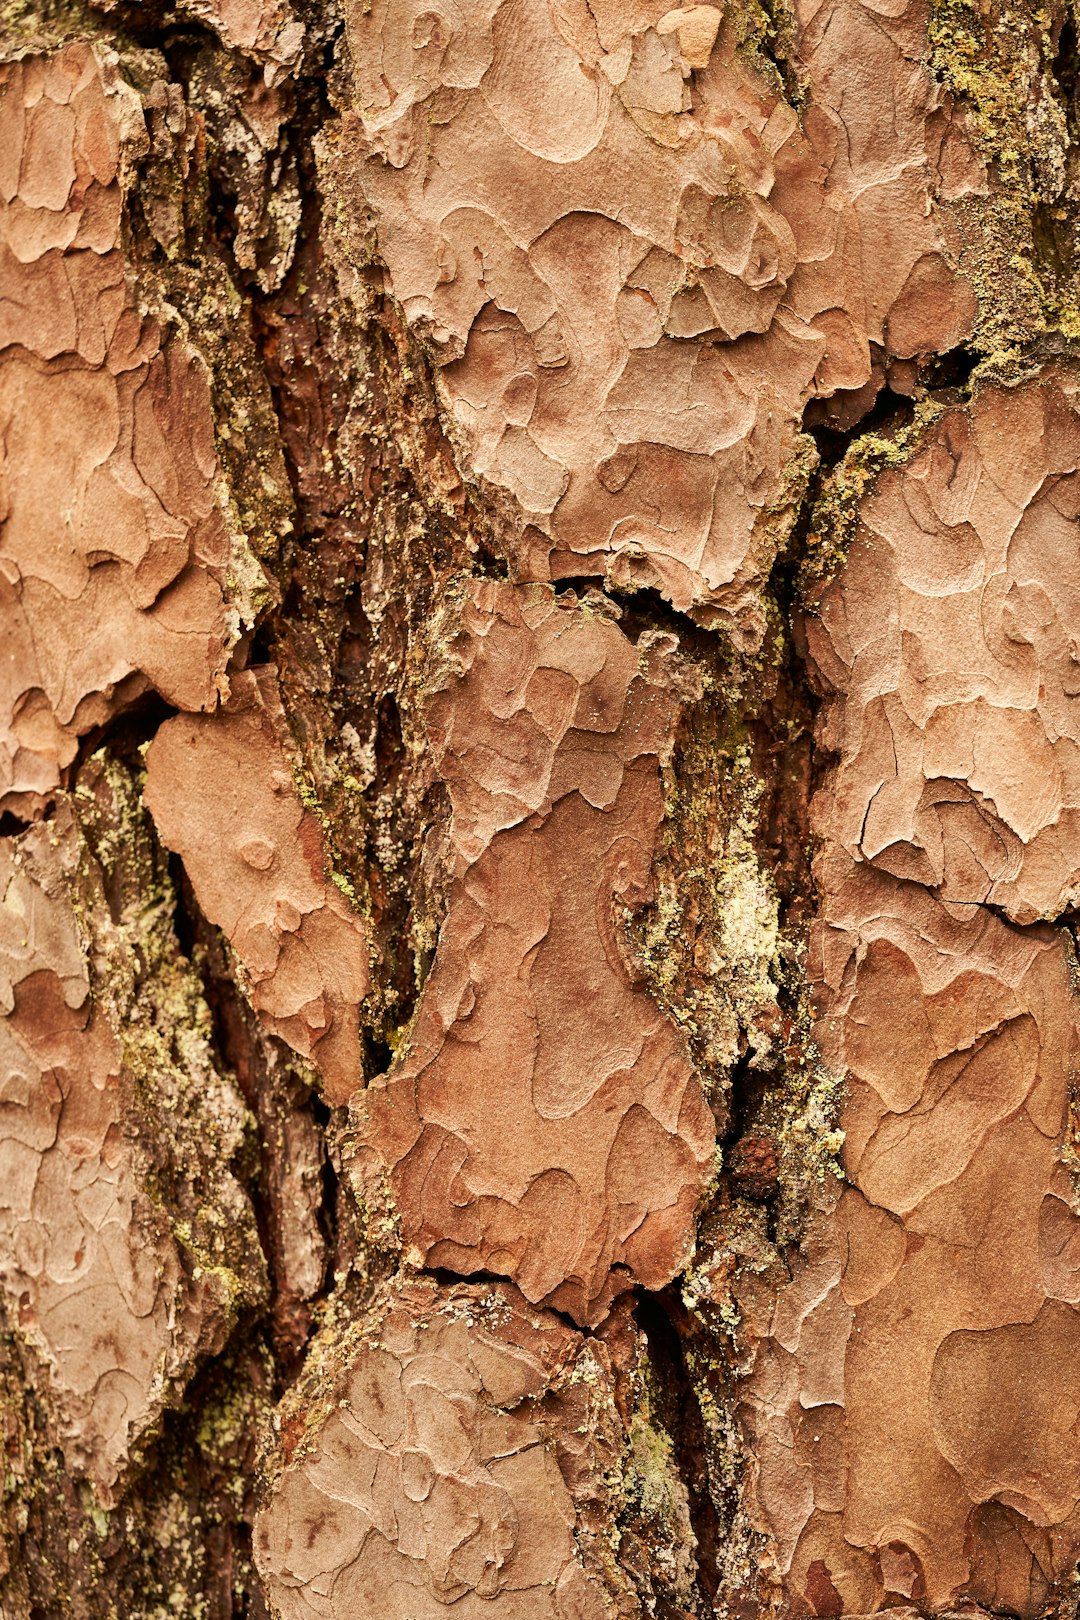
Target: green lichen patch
x=995 y=54
x=724 y=1303
x=1016 y=242
x=188 y=1124
x=346 y=1319
x=187 y=280
x=380 y=535
x=834 y=511
x=161 y=1548
x=708 y=942
x=764 y=32
x=656 y=1505
x=650 y=1503
x=810 y=1141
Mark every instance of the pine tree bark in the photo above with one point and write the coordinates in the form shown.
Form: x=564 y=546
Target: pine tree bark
x=539 y=809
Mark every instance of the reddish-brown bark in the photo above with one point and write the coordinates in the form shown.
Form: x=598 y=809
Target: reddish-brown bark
x=500 y=1110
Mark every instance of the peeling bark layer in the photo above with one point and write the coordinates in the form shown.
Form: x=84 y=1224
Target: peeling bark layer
x=222 y=794
x=539 y=809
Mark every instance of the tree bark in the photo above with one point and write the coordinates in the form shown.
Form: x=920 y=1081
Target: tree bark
x=539 y=809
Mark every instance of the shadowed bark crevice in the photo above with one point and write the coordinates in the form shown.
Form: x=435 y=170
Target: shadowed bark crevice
x=660 y=1317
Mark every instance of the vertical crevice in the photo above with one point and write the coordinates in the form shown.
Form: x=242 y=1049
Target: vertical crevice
x=679 y=1411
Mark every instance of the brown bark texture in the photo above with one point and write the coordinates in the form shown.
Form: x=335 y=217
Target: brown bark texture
x=539 y=809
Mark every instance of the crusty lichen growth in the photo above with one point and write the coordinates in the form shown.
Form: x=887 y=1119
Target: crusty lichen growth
x=36 y=26
x=158 y=1551
x=748 y=909
x=708 y=942
x=654 y=1507
x=191 y=1123
x=738 y=1266
x=380 y=1247
x=997 y=57
x=188 y=278
x=345 y=1320
x=382 y=524
x=1070 y=1148
x=375 y=828
x=995 y=54
x=810 y=1141
x=765 y=31
x=834 y=510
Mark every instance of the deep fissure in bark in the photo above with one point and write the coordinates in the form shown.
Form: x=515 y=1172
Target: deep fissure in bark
x=679 y=1410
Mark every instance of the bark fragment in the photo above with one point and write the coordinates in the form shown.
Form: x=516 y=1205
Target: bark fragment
x=222 y=793
x=545 y=1122
x=635 y=265
x=913 y=1405
x=118 y=562
x=269 y=31
x=429 y=1482
x=961 y=772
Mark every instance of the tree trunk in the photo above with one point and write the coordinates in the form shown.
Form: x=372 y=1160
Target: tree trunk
x=539 y=809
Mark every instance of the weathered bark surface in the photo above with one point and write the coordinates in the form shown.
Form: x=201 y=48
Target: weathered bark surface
x=546 y=1123
x=950 y=1464
x=539 y=809
x=472 y=1451
x=564 y=201
x=222 y=795
x=115 y=543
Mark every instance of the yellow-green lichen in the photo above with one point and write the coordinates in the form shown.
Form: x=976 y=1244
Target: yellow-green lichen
x=708 y=942
x=764 y=32
x=810 y=1140
x=834 y=515
x=649 y=1492
x=191 y=1120
x=1016 y=240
